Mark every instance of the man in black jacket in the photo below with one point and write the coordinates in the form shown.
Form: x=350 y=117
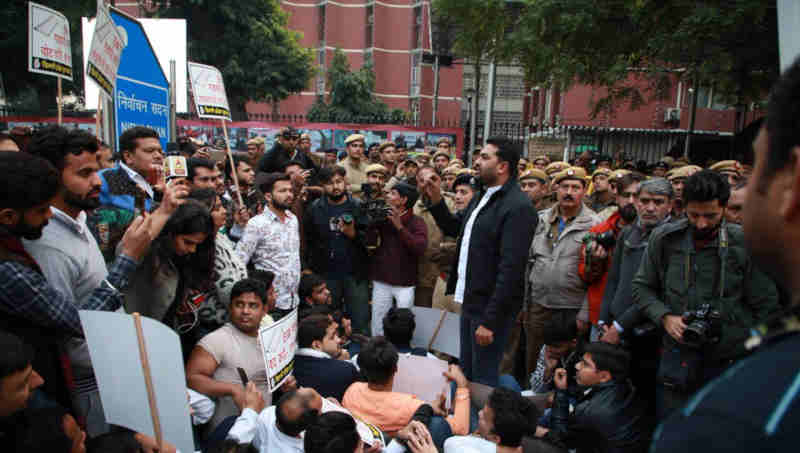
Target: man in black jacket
x=320 y=361
x=335 y=227
x=608 y=417
x=494 y=233
x=285 y=150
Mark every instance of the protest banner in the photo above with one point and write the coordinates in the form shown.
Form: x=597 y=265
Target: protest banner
x=370 y=434
x=211 y=101
x=438 y=330
x=140 y=375
x=49 y=49
x=422 y=376
x=278 y=345
x=106 y=51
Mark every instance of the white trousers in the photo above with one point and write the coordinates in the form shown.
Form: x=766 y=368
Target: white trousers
x=382 y=295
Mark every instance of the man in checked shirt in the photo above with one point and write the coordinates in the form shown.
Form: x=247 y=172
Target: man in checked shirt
x=29 y=306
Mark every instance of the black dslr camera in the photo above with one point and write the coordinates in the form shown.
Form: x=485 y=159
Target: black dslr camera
x=375 y=207
x=703 y=326
x=606 y=239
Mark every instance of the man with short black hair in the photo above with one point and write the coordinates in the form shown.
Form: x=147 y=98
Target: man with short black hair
x=674 y=279
x=733 y=212
x=402 y=240
x=271 y=240
x=313 y=291
x=42 y=314
x=320 y=362
x=129 y=189
x=18 y=378
x=335 y=231
x=608 y=417
x=202 y=173
x=213 y=363
x=284 y=150
x=489 y=273
x=505 y=419
x=763 y=415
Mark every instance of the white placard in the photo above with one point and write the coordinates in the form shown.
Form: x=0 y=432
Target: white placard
x=369 y=433
x=106 y=51
x=788 y=32
x=278 y=345
x=448 y=340
x=422 y=377
x=209 y=91
x=49 y=50
x=114 y=349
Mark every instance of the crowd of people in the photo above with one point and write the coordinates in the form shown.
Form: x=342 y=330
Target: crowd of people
x=598 y=298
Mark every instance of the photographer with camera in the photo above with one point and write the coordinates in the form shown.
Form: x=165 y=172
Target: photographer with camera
x=400 y=241
x=698 y=282
x=334 y=226
x=595 y=257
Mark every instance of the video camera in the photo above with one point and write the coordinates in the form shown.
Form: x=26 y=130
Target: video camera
x=375 y=207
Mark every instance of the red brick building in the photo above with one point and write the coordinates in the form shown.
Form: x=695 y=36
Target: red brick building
x=393 y=34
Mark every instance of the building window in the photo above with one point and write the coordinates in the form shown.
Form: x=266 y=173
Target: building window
x=321 y=29
x=510 y=87
x=709 y=98
x=416 y=60
x=369 y=27
x=416 y=28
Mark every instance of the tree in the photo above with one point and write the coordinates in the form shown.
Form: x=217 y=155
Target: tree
x=31 y=91
x=617 y=44
x=351 y=98
x=249 y=42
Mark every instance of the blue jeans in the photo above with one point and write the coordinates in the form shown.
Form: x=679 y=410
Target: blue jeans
x=481 y=363
x=440 y=431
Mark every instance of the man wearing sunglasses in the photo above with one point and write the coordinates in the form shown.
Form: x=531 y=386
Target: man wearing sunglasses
x=285 y=150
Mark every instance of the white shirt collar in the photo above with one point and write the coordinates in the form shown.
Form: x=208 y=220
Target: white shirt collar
x=311 y=352
x=138 y=179
x=78 y=224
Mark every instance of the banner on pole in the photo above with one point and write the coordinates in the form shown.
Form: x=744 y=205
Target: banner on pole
x=278 y=345
x=49 y=50
x=209 y=92
x=106 y=51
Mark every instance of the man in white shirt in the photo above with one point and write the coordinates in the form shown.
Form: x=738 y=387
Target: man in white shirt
x=271 y=241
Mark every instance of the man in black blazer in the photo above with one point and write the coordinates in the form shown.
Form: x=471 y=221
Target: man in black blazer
x=320 y=362
x=494 y=234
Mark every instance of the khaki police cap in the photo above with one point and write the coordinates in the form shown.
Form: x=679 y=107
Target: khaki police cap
x=555 y=167
x=602 y=171
x=353 y=138
x=534 y=173
x=373 y=168
x=441 y=153
x=541 y=157
x=577 y=173
x=731 y=166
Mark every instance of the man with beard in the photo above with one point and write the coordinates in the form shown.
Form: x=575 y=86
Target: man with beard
x=271 y=241
x=619 y=315
x=553 y=281
x=285 y=150
x=41 y=314
x=754 y=405
x=488 y=278
x=692 y=264
x=68 y=254
x=595 y=259
x=334 y=230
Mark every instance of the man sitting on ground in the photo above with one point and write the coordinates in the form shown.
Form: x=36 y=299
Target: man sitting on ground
x=375 y=402
x=212 y=367
x=317 y=363
x=313 y=290
x=502 y=423
x=609 y=416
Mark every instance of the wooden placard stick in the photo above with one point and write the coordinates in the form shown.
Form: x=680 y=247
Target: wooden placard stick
x=438 y=327
x=58 y=100
x=148 y=381
x=233 y=164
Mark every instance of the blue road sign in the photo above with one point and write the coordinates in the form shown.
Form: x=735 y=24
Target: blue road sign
x=141 y=97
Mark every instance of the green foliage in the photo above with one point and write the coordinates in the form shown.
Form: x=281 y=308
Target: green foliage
x=351 y=98
x=27 y=90
x=621 y=45
x=249 y=42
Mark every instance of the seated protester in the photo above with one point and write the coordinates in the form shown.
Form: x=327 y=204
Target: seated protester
x=228 y=268
x=350 y=343
x=313 y=290
x=320 y=362
x=177 y=270
x=560 y=350
x=609 y=416
x=18 y=379
x=336 y=432
x=375 y=402
x=212 y=366
x=398 y=326
x=276 y=428
x=266 y=278
x=506 y=418
x=125 y=441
